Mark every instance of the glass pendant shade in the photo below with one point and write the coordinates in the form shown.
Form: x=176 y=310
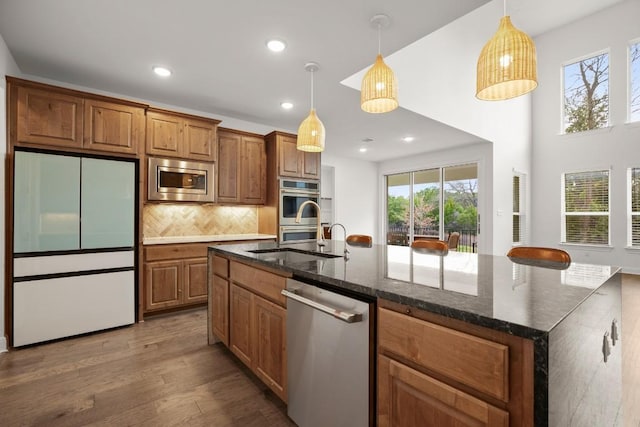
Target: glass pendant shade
x=311 y=134
x=507 y=64
x=379 y=92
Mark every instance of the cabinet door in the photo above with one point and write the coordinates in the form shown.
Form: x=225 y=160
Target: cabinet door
x=311 y=165
x=164 y=134
x=220 y=309
x=195 y=280
x=229 y=145
x=409 y=398
x=163 y=283
x=113 y=127
x=253 y=176
x=240 y=327
x=270 y=353
x=199 y=140
x=49 y=118
x=289 y=158
x=46 y=202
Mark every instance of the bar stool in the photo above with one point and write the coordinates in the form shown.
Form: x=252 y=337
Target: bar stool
x=359 y=240
x=434 y=247
x=545 y=257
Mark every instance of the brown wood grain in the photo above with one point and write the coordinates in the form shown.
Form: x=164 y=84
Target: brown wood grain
x=263 y=283
x=175 y=251
x=476 y=362
x=113 y=127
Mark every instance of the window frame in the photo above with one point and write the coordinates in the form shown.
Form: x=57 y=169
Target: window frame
x=629 y=80
x=630 y=212
x=563 y=128
x=563 y=213
x=521 y=213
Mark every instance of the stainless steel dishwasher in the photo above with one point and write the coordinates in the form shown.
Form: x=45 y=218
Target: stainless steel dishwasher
x=329 y=357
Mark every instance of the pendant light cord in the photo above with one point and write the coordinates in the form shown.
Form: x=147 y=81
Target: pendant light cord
x=505 y=8
x=312 y=72
x=379 y=38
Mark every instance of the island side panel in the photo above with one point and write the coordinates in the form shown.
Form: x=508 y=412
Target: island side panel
x=583 y=388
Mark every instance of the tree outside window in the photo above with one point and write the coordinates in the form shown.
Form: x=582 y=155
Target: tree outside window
x=634 y=84
x=634 y=206
x=586 y=94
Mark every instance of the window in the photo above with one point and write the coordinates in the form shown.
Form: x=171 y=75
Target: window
x=634 y=82
x=432 y=204
x=634 y=207
x=518 y=223
x=586 y=207
x=586 y=94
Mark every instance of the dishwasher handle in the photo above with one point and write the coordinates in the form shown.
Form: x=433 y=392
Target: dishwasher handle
x=338 y=314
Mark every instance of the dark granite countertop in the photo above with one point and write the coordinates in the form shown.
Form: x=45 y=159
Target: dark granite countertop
x=491 y=291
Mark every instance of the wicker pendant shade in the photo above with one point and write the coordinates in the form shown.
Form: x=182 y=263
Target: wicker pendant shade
x=379 y=92
x=507 y=64
x=311 y=132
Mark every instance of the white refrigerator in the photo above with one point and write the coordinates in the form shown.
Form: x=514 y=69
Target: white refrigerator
x=74 y=257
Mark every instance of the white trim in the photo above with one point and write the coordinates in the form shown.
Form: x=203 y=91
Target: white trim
x=32 y=266
x=3 y=344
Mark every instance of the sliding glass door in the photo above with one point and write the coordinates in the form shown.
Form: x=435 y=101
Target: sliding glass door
x=438 y=203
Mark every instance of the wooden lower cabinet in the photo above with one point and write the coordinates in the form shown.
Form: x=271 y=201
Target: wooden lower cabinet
x=438 y=371
x=269 y=336
x=410 y=398
x=170 y=284
x=249 y=315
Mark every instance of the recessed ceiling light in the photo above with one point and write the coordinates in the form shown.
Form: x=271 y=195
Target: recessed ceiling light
x=286 y=105
x=161 y=71
x=363 y=150
x=276 y=45
x=408 y=139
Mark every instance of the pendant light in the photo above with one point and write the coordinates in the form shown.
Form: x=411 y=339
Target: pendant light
x=311 y=131
x=507 y=63
x=379 y=93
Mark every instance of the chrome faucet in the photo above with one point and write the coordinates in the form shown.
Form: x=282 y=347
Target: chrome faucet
x=319 y=232
x=346 y=251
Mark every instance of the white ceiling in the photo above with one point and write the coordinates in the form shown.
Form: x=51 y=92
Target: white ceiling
x=217 y=52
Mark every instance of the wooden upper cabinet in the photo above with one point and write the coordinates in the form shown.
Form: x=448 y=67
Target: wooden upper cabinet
x=253 y=171
x=200 y=140
x=48 y=118
x=113 y=127
x=290 y=161
x=178 y=135
x=289 y=158
x=241 y=168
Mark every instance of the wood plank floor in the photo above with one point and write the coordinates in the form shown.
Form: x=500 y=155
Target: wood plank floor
x=163 y=373
x=157 y=373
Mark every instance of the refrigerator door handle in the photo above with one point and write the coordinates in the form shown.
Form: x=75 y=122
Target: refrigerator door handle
x=338 y=314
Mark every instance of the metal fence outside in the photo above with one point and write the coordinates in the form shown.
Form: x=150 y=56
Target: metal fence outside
x=399 y=235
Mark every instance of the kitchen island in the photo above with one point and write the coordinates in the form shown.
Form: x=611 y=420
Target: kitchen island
x=518 y=344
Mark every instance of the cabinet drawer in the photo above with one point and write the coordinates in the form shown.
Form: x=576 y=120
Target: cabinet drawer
x=261 y=282
x=220 y=266
x=179 y=251
x=475 y=362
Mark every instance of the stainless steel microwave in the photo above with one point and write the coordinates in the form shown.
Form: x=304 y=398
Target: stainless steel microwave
x=180 y=180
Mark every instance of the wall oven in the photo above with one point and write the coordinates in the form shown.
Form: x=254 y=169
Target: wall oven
x=180 y=180
x=297 y=233
x=294 y=193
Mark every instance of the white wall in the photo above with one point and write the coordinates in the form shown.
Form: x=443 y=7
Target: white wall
x=617 y=147
x=481 y=153
x=7 y=66
x=355 y=201
x=443 y=87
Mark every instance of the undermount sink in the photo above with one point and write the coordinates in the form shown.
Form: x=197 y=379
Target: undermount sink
x=289 y=255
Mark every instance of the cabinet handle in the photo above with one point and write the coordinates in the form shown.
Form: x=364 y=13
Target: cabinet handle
x=606 y=350
x=614 y=332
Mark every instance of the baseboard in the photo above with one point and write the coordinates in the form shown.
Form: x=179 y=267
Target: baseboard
x=3 y=344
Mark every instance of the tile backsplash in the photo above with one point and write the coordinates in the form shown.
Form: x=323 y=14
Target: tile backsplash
x=163 y=220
